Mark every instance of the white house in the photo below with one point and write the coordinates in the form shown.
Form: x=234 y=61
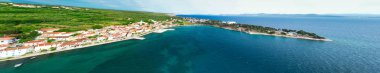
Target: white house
x=7 y=40
x=13 y=52
x=101 y=38
x=67 y=45
x=3 y=47
x=84 y=40
x=129 y=34
x=44 y=46
x=34 y=42
x=61 y=38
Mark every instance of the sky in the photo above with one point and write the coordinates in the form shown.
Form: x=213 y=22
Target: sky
x=227 y=6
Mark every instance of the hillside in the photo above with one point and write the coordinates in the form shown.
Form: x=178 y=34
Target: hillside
x=23 y=18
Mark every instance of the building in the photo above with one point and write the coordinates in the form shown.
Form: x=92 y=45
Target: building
x=34 y=42
x=101 y=38
x=13 y=52
x=44 y=46
x=61 y=38
x=67 y=45
x=7 y=40
x=3 y=47
x=26 y=6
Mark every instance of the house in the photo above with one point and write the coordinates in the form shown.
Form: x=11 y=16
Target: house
x=67 y=45
x=90 y=34
x=44 y=46
x=34 y=42
x=291 y=34
x=80 y=36
x=26 y=6
x=44 y=30
x=117 y=35
x=66 y=34
x=129 y=34
x=84 y=40
x=61 y=38
x=3 y=46
x=7 y=40
x=101 y=38
x=13 y=52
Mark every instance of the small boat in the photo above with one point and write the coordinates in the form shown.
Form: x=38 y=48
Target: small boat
x=139 y=38
x=32 y=57
x=18 y=65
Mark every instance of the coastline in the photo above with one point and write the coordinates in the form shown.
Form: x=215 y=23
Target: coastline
x=49 y=52
x=257 y=33
x=80 y=47
x=156 y=31
x=260 y=30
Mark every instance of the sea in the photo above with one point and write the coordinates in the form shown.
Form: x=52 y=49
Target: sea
x=205 y=49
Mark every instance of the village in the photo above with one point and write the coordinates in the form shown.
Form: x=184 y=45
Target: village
x=52 y=41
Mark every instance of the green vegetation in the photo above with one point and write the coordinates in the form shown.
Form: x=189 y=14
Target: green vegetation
x=97 y=27
x=50 y=40
x=76 y=19
x=53 y=49
x=20 y=20
x=75 y=34
x=261 y=29
x=95 y=36
x=44 y=50
x=313 y=35
x=28 y=36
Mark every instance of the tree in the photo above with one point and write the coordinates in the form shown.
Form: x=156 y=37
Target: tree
x=50 y=40
x=24 y=37
x=97 y=27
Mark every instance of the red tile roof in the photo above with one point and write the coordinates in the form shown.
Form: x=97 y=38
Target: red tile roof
x=69 y=43
x=35 y=41
x=4 y=45
x=46 y=44
x=6 y=38
x=15 y=48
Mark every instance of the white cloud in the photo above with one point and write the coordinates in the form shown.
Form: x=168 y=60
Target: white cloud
x=231 y=6
x=262 y=6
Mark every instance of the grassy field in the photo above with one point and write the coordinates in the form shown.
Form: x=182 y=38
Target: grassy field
x=23 y=20
x=81 y=18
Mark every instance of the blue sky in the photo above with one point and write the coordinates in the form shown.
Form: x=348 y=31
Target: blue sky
x=228 y=6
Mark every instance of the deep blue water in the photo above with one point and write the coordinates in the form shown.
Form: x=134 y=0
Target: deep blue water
x=206 y=49
x=355 y=48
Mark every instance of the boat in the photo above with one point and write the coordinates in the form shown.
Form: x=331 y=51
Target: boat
x=138 y=38
x=32 y=57
x=18 y=65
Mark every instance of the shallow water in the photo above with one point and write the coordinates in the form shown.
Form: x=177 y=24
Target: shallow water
x=205 y=49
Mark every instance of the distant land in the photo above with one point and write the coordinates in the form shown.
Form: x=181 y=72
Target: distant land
x=309 y=15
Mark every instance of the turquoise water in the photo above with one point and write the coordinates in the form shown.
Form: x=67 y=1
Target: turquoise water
x=205 y=49
x=188 y=49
